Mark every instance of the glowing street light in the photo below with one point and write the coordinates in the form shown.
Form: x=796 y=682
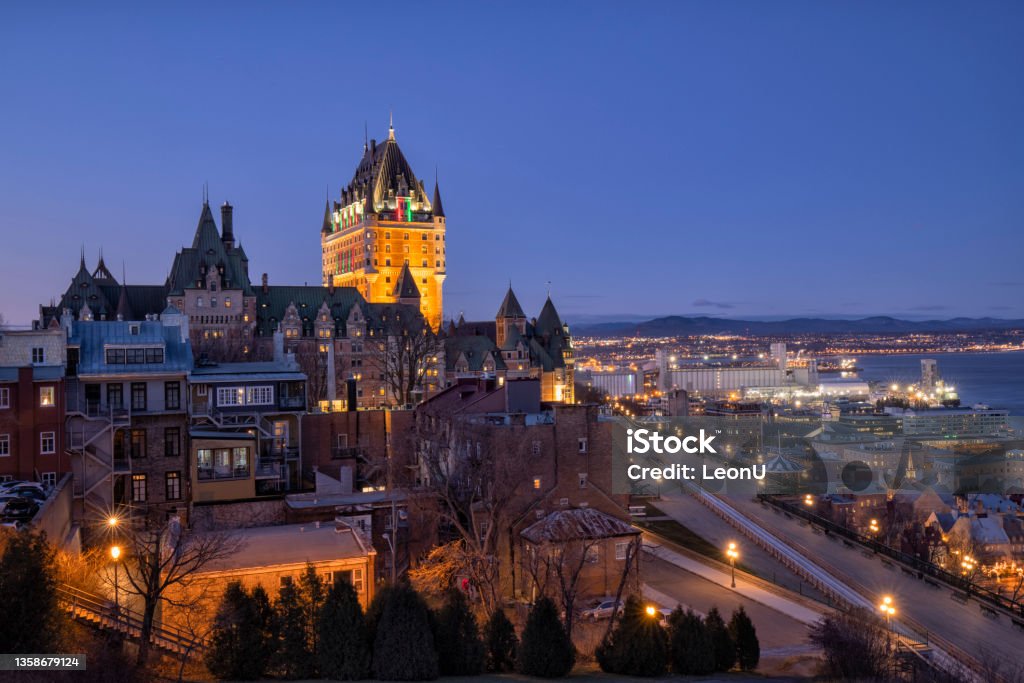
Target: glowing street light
x=651 y=610
x=873 y=527
x=732 y=554
x=888 y=609
x=809 y=500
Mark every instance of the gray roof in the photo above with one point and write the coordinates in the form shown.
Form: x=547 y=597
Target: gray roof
x=256 y=371
x=577 y=524
x=40 y=373
x=92 y=336
x=294 y=544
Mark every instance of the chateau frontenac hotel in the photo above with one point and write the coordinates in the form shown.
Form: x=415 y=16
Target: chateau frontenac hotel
x=383 y=248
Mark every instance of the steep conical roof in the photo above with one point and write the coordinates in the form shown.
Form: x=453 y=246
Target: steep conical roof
x=384 y=166
x=406 y=287
x=206 y=232
x=435 y=207
x=548 y=321
x=510 y=307
x=328 y=223
x=124 y=310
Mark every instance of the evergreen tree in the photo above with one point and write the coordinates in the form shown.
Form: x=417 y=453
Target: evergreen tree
x=721 y=640
x=32 y=621
x=460 y=652
x=311 y=593
x=344 y=651
x=375 y=610
x=690 y=646
x=744 y=635
x=403 y=648
x=638 y=646
x=545 y=649
x=293 y=656
x=501 y=641
x=236 y=649
x=266 y=622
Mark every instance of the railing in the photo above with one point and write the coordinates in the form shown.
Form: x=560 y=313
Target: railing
x=922 y=567
x=339 y=452
x=269 y=469
x=126 y=620
x=214 y=474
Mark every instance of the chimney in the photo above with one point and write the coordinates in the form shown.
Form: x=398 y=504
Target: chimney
x=266 y=287
x=227 y=227
x=351 y=395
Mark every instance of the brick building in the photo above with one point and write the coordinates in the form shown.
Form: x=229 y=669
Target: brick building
x=32 y=405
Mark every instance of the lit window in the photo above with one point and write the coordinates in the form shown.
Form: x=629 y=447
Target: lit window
x=138 y=488
x=536 y=483
x=227 y=302
x=46 y=397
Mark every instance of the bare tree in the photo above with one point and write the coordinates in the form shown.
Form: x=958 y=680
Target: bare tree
x=405 y=350
x=557 y=567
x=313 y=363
x=162 y=556
x=227 y=348
x=474 y=474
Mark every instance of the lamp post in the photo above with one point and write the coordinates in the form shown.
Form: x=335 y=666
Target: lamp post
x=888 y=609
x=732 y=554
x=809 y=500
x=115 y=554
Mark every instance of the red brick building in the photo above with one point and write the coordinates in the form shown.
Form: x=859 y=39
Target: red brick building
x=32 y=424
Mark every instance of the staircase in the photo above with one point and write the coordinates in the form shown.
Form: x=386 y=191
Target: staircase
x=97 y=612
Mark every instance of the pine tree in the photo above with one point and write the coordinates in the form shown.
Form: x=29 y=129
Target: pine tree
x=375 y=610
x=266 y=622
x=460 y=652
x=721 y=640
x=311 y=593
x=744 y=635
x=403 y=649
x=690 y=646
x=545 y=649
x=501 y=641
x=32 y=621
x=293 y=656
x=344 y=651
x=638 y=646
x=236 y=649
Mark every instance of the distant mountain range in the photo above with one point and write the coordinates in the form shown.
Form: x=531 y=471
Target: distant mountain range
x=677 y=325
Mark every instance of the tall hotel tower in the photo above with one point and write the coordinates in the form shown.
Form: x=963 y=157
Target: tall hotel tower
x=382 y=223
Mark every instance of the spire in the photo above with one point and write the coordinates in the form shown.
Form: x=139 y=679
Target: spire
x=510 y=307
x=366 y=137
x=81 y=263
x=328 y=223
x=548 y=320
x=435 y=207
x=391 y=125
x=406 y=287
x=124 y=311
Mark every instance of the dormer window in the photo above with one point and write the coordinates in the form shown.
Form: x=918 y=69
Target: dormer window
x=133 y=329
x=213 y=286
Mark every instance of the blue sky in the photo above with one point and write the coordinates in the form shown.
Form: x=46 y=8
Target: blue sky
x=722 y=158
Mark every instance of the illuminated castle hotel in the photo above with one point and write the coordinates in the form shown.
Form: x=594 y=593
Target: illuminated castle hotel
x=382 y=223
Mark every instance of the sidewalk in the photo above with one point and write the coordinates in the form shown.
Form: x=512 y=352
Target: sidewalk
x=748 y=589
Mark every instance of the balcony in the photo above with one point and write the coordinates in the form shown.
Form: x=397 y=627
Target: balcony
x=222 y=473
x=340 y=453
x=270 y=451
x=292 y=402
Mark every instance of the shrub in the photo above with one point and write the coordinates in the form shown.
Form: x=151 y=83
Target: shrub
x=855 y=644
x=403 y=649
x=236 y=649
x=501 y=642
x=638 y=646
x=721 y=640
x=344 y=651
x=744 y=635
x=545 y=649
x=690 y=647
x=460 y=651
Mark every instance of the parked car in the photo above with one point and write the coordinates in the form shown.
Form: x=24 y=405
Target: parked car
x=27 y=492
x=4 y=498
x=20 y=509
x=4 y=485
x=603 y=609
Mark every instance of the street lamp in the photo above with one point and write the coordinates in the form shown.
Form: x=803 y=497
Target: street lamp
x=651 y=610
x=873 y=527
x=112 y=521
x=115 y=553
x=732 y=554
x=391 y=545
x=808 y=500
x=888 y=609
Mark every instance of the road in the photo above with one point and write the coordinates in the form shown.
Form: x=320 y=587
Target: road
x=965 y=626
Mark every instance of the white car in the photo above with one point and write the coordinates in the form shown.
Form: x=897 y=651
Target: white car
x=604 y=609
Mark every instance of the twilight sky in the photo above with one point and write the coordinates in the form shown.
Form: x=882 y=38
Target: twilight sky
x=713 y=158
